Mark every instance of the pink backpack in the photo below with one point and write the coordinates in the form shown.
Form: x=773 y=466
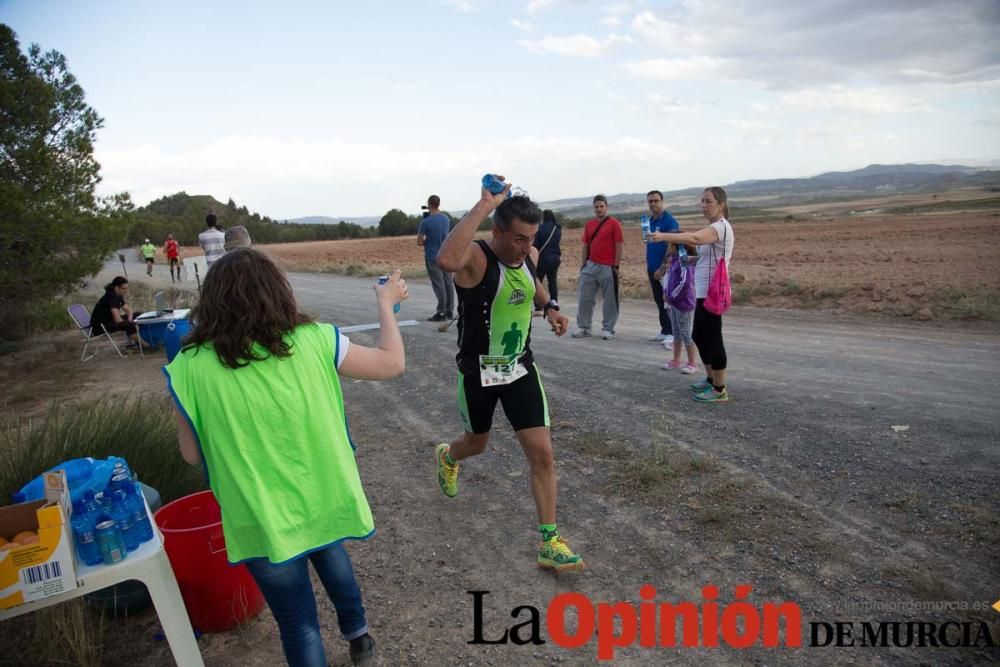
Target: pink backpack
x=720 y=293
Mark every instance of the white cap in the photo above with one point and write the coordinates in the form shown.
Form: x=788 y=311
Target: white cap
x=147 y=240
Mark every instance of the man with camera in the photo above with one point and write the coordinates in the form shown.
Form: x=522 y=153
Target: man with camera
x=431 y=234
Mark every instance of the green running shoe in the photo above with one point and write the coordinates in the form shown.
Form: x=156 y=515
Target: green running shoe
x=712 y=396
x=555 y=554
x=447 y=474
x=698 y=387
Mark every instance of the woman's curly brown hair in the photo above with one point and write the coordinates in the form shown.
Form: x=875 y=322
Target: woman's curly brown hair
x=245 y=300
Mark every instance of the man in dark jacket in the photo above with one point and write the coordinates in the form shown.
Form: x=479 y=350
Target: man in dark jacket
x=548 y=240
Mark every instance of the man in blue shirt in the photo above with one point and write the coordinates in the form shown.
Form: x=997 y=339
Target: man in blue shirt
x=431 y=234
x=656 y=261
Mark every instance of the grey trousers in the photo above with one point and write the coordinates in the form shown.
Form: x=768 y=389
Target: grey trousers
x=444 y=287
x=594 y=279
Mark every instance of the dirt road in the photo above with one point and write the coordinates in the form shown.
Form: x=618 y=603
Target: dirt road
x=800 y=487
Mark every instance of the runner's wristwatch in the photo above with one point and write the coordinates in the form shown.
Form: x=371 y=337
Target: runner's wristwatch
x=551 y=305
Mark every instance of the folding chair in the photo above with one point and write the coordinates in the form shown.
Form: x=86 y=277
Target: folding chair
x=81 y=317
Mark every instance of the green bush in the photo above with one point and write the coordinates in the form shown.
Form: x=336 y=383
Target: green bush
x=142 y=431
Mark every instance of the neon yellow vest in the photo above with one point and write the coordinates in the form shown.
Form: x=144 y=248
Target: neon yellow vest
x=274 y=440
x=148 y=250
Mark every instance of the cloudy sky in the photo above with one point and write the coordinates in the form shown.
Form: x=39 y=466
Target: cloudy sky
x=351 y=108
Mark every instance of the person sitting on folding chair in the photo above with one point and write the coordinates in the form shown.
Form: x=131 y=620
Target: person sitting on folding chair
x=114 y=314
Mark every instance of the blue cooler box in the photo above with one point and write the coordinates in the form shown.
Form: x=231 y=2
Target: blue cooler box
x=175 y=332
x=153 y=333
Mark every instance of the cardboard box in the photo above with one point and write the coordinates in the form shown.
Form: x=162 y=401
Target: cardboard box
x=36 y=571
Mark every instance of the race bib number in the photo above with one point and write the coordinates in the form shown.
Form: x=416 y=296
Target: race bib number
x=500 y=370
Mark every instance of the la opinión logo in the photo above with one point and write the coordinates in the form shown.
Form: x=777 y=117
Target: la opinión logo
x=707 y=624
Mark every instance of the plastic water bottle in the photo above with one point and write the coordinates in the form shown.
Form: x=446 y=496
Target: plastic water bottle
x=382 y=281
x=103 y=502
x=682 y=253
x=119 y=482
x=493 y=184
x=84 y=525
x=141 y=524
x=121 y=466
x=126 y=523
x=644 y=224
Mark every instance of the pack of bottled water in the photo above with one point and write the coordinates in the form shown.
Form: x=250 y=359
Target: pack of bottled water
x=109 y=524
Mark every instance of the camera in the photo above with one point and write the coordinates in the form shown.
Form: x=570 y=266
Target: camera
x=424 y=211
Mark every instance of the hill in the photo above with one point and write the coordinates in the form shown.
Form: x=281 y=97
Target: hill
x=183 y=215
x=364 y=221
x=875 y=179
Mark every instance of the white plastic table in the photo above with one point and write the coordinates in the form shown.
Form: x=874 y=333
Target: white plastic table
x=152 y=317
x=150 y=565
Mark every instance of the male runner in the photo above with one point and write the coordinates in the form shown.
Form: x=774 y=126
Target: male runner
x=497 y=284
x=148 y=251
x=172 y=251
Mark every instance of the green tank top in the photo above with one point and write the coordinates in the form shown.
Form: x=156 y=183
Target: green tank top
x=495 y=315
x=274 y=440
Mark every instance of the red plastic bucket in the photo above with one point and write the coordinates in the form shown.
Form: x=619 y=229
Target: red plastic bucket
x=218 y=596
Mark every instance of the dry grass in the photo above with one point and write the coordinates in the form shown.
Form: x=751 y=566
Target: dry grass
x=598 y=446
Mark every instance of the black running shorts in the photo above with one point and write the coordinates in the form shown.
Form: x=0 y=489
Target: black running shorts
x=523 y=402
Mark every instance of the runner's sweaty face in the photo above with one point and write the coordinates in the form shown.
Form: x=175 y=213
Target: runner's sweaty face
x=514 y=244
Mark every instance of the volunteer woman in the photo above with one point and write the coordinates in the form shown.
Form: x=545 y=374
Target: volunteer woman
x=259 y=402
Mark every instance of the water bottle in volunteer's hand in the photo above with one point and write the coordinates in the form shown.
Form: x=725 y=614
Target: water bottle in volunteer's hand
x=382 y=281
x=644 y=224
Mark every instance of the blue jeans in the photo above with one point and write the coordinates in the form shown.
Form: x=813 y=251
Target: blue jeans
x=289 y=593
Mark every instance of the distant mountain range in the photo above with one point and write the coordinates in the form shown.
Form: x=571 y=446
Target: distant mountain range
x=875 y=179
x=364 y=220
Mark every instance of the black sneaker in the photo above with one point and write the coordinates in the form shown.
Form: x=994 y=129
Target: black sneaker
x=449 y=315
x=437 y=317
x=362 y=649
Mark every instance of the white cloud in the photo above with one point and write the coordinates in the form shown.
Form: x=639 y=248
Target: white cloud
x=614 y=14
x=787 y=44
x=672 y=69
x=862 y=100
x=265 y=173
x=521 y=25
x=535 y=6
x=464 y=6
x=679 y=36
x=669 y=104
x=402 y=87
x=581 y=46
x=991 y=118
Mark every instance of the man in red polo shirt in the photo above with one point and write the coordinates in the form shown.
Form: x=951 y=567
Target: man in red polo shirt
x=602 y=254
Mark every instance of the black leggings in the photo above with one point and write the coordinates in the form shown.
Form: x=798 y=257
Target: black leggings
x=549 y=271
x=707 y=335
